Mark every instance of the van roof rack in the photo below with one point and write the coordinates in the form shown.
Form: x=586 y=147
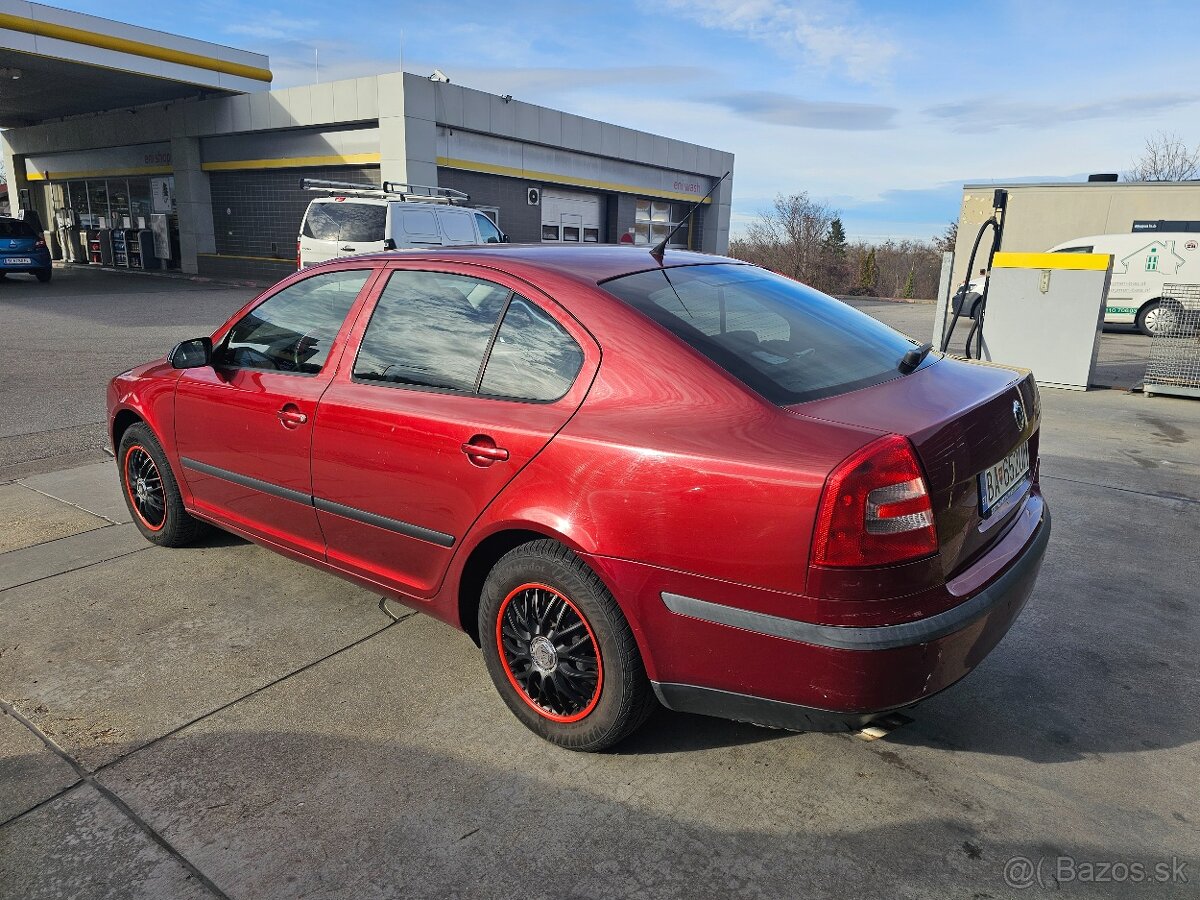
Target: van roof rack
x=398 y=190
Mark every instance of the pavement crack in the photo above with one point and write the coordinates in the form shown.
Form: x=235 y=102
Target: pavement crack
x=122 y=807
x=1112 y=487
x=258 y=690
x=13 y=587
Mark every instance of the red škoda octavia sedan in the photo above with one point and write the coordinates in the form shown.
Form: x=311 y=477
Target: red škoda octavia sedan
x=696 y=481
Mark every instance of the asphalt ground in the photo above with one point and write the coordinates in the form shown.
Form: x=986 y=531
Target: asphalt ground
x=219 y=721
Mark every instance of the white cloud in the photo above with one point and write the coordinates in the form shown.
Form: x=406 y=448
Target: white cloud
x=827 y=36
x=991 y=113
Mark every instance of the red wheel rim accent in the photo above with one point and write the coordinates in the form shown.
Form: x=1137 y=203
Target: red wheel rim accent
x=149 y=504
x=570 y=689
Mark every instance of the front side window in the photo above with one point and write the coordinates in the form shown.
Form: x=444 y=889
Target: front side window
x=489 y=232
x=430 y=329
x=782 y=339
x=533 y=357
x=293 y=330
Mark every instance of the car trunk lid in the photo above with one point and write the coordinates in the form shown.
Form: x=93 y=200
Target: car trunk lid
x=963 y=417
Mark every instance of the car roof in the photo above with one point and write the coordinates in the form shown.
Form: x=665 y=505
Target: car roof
x=594 y=263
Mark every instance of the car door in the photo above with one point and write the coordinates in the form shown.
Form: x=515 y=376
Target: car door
x=363 y=227
x=457 y=226
x=320 y=231
x=243 y=426
x=457 y=381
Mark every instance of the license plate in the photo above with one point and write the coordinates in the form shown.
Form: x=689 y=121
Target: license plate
x=998 y=481
x=18 y=261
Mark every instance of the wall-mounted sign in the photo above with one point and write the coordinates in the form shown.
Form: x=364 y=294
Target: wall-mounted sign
x=162 y=194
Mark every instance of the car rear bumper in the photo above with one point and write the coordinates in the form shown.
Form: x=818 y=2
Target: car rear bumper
x=736 y=663
x=39 y=261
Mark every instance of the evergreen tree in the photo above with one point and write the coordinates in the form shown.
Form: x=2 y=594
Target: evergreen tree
x=909 y=286
x=868 y=272
x=835 y=240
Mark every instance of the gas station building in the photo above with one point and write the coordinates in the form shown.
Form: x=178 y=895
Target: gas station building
x=114 y=131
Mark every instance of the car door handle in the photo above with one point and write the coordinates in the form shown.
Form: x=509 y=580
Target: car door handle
x=482 y=451
x=291 y=417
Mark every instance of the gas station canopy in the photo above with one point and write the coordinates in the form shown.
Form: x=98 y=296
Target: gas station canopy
x=55 y=63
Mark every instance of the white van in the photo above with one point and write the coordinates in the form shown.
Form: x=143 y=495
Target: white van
x=358 y=220
x=1142 y=264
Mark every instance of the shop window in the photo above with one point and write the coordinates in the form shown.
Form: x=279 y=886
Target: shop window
x=654 y=219
x=571 y=233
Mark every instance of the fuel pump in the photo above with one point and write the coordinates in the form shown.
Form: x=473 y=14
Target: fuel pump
x=979 y=307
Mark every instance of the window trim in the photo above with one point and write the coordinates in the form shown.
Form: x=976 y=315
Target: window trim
x=347 y=322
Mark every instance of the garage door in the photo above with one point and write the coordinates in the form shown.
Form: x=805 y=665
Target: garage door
x=570 y=217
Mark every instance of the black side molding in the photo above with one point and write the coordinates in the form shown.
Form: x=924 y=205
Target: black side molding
x=1011 y=587
x=405 y=528
x=690 y=698
x=349 y=512
x=246 y=481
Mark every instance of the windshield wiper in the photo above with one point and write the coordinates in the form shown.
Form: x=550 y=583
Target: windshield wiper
x=913 y=358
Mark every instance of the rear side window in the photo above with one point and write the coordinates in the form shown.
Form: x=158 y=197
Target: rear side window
x=782 y=339
x=533 y=358
x=430 y=329
x=15 y=228
x=293 y=330
x=458 y=227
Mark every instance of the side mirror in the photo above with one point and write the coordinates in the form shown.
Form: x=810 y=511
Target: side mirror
x=389 y=244
x=503 y=238
x=193 y=354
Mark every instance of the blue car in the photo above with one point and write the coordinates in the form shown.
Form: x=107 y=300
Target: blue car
x=23 y=249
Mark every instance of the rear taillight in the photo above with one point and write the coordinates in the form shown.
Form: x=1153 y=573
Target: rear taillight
x=298 y=263
x=875 y=509
x=39 y=244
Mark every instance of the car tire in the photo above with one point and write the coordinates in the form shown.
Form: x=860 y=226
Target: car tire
x=44 y=275
x=1159 y=318
x=559 y=650
x=151 y=492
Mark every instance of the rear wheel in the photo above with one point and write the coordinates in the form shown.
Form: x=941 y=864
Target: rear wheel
x=151 y=492
x=1159 y=318
x=44 y=275
x=559 y=650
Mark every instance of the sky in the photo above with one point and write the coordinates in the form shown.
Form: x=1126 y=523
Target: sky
x=883 y=110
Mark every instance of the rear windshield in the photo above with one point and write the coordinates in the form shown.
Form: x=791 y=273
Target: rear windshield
x=15 y=228
x=346 y=221
x=782 y=339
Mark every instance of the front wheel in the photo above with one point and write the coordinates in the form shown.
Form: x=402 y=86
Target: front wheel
x=559 y=650
x=151 y=493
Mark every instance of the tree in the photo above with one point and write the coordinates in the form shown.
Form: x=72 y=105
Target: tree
x=835 y=240
x=909 y=286
x=868 y=273
x=789 y=238
x=944 y=242
x=1166 y=158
